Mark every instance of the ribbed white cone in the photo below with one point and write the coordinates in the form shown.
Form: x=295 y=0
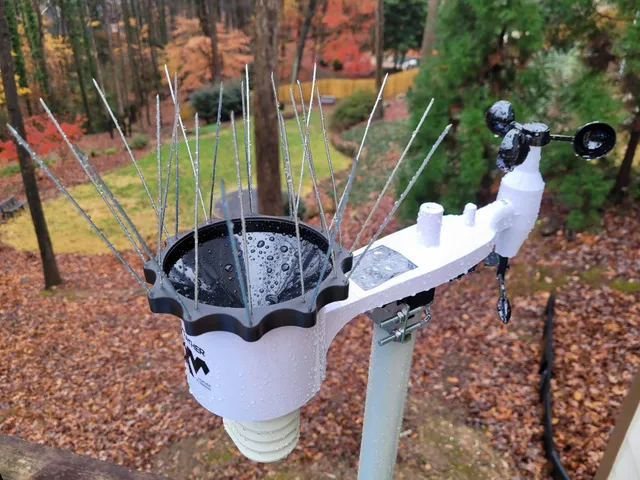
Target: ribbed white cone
x=265 y=441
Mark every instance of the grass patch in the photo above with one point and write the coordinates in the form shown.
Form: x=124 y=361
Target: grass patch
x=375 y=167
x=624 y=285
x=523 y=279
x=71 y=233
x=9 y=170
x=595 y=278
x=13 y=169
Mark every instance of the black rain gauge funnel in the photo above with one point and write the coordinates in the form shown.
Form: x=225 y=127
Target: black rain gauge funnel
x=276 y=294
x=261 y=298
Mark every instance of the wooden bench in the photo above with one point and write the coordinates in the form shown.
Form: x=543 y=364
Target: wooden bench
x=10 y=206
x=327 y=99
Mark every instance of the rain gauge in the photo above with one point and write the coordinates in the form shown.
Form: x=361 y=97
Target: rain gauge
x=261 y=298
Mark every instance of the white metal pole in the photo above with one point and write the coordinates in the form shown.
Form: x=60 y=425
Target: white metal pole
x=389 y=369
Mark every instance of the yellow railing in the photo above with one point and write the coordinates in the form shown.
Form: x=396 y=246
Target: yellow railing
x=397 y=83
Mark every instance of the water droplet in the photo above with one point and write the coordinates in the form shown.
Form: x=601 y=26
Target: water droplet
x=261 y=244
x=271 y=299
x=271 y=239
x=269 y=270
x=228 y=267
x=284 y=249
x=270 y=257
x=285 y=267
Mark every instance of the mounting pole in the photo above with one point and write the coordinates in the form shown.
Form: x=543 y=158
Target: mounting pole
x=389 y=369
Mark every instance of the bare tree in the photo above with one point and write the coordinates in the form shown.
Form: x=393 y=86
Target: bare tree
x=429 y=37
x=265 y=119
x=49 y=265
x=302 y=38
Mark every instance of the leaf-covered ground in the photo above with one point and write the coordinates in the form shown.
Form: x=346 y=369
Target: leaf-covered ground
x=88 y=369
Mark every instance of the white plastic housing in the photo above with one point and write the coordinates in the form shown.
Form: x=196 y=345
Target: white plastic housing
x=278 y=374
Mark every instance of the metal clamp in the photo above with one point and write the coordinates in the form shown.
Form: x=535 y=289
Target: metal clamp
x=397 y=319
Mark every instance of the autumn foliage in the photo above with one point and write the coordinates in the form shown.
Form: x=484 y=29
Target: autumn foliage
x=344 y=31
x=42 y=136
x=189 y=51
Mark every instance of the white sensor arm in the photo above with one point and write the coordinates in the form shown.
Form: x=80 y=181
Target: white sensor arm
x=443 y=247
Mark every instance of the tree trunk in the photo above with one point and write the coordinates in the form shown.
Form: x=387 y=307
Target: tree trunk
x=51 y=97
x=16 y=46
x=33 y=31
x=302 y=38
x=93 y=47
x=163 y=21
x=429 y=37
x=49 y=265
x=144 y=93
x=123 y=70
x=208 y=16
x=212 y=6
x=93 y=68
x=70 y=16
x=242 y=9
x=112 y=57
x=623 y=179
x=152 y=41
x=134 y=66
x=379 y=51
x=265 y=118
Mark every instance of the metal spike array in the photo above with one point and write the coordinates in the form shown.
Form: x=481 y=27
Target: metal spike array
x=240 y=249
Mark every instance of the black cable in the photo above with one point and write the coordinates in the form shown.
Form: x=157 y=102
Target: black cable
x=546 y=371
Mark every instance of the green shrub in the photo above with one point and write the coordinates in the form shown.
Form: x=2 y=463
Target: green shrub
x=139 y=141
x=584 y=190
x=110 y=151
x=337 y=65
x=353 y=109
x=9 y=170
x=205 y=101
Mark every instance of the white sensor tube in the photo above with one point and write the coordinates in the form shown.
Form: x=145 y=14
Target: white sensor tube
x=268 y=440
x=430 y=224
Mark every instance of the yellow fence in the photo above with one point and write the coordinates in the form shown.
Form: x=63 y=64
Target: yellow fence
x=397 y=83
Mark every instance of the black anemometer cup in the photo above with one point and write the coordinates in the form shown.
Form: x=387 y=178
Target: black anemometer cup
x=591 y=141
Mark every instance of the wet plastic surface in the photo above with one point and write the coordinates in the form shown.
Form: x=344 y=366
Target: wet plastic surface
x=273 y=257
x=380 y=265
x=275 y=278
